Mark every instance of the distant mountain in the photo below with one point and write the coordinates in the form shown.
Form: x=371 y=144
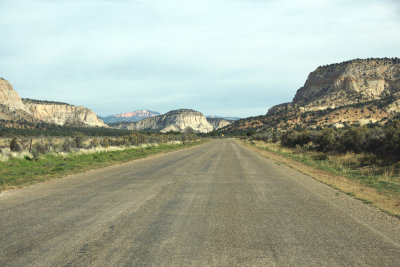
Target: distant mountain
x=181 y=120
x=225 y=118
x=130 y=116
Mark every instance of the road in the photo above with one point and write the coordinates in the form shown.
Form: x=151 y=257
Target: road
x=218 y=204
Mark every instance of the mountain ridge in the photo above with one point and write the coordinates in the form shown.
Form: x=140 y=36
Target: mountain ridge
x=132 y=116
x=354 y=92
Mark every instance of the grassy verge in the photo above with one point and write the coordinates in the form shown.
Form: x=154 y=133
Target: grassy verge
x=19 y=172
x=376 y=185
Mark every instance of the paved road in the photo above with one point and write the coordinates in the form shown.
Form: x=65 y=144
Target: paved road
x=217 y=204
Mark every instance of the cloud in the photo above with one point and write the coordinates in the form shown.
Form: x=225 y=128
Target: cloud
x=233 y=57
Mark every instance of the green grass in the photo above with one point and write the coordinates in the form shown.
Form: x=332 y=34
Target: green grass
x=348 y=166
x=20 y=172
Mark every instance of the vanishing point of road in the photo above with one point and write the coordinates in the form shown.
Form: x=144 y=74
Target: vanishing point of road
x=216 y=204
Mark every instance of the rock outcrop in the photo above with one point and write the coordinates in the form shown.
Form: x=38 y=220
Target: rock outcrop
x=181 y=120
x=62 y=113
x=15 y=110
x=9 y=97
x=355 y=92
x=351 y=82
x=130 y=116
x=218 y=123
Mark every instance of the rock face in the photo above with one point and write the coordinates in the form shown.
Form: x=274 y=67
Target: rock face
x=355 y=92
x=62 y=113
x=9 y=97
x=218 y=123
x=181 y=120
x=350 y=82
x=14 y=111
x=130 y=116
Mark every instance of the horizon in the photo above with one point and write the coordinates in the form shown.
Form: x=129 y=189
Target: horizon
x=229 y=58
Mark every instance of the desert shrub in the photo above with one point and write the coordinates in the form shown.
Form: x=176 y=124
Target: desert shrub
x=353 y=139
x=376 y=140
x=392 y=140
x=78 y=140
x=326 y=140
x=382 y=141
x=94 y=143
x=67 y=145
x=292 y=138
x=15 y=145
x=35 y=155
x=40 y=148
x=106 y=142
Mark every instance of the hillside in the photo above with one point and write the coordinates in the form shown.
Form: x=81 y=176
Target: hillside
x=181 y=120
x=354 y=92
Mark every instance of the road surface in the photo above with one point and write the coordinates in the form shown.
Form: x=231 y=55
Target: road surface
x=218 y=204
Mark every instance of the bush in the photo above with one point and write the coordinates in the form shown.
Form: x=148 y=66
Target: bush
x=14 y=145
x=78 y=140
x=106 y=142
x=36 y=155
x=383 y=141
x=40 y=148
x=292 y=138
x=67 y=146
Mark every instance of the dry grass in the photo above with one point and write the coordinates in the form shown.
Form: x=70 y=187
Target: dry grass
x=344 y=175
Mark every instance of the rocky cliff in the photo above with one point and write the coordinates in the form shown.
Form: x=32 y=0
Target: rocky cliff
x=130 y=116
x=62 y=113
x=347 y=83
x=9 y=97
x=14 y=111
x=218 y=123
x=182 y=120
x=354 y=92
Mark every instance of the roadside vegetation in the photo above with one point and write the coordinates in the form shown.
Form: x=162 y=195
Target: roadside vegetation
x=367 y=156
x=27 y=160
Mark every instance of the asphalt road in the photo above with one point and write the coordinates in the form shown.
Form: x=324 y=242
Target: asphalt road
x=217 y=204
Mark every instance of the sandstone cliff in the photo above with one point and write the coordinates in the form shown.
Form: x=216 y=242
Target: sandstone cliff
x=182 y=120
x=355 y=92
x=62 y=113
x=351 y=82
x=14 y=111
x=9 y=97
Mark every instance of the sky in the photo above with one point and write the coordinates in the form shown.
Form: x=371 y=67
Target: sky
x=222 y=57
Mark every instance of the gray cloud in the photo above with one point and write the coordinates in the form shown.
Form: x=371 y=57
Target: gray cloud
x=228 y=57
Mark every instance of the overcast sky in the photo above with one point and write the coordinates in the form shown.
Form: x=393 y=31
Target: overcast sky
x=224 y=57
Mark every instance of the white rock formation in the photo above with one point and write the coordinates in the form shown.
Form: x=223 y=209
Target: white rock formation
x=9 y=97
x=182 y=120
x=15 y=109
x=63 y=114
